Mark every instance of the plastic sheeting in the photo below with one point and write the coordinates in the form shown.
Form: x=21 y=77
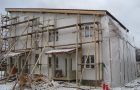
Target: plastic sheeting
x=118 y=55
x=60 y=51
x=11 y=54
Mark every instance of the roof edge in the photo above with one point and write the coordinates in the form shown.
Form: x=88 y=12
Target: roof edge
x=67 y=11
x=51 y=10
x=109 y=14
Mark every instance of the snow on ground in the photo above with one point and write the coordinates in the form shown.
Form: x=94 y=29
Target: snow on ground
x=2 y=74
x=6 y=86
x=56 y=86
x=134 y=85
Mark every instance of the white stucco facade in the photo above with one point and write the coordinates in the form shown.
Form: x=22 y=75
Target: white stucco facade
x=114 y=53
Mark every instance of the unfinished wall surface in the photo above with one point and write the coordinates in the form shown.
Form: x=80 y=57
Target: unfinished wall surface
x=114 y=55
x=119 y=59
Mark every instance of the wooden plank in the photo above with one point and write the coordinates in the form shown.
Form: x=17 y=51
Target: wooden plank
x=58 y=28
x=19 y=22
x=64 y=11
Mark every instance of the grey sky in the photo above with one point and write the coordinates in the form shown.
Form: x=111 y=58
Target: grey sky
x=126 y=11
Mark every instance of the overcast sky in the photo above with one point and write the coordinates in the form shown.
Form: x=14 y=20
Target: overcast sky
x=126 y=11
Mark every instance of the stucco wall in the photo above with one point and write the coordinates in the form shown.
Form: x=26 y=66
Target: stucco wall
x=115 y=50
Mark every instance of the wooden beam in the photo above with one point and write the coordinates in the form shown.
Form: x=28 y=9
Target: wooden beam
x=63 y=11
x=19 y=22
x=58 y=28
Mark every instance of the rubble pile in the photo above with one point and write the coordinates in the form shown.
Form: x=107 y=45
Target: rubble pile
x=24 y=80
x=41 y=82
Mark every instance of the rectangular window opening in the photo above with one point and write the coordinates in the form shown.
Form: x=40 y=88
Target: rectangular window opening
x=88 y=61
x=36 y=58
x=49 y=61
x=87 y=30
x=56 y=62
x=53 y=36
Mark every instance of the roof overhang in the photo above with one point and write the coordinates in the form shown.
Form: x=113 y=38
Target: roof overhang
x=11 y=54
x=64 y=11
x=59 y=51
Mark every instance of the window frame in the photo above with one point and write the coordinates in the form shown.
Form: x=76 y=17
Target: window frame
x=87 y=32
x=53 y=36
x=90 y=61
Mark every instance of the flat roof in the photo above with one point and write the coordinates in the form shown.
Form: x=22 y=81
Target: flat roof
x=66 y=11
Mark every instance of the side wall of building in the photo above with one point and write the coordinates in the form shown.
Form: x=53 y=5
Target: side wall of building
x=118 y=54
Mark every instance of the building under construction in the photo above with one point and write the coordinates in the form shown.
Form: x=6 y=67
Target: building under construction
x=68 y=45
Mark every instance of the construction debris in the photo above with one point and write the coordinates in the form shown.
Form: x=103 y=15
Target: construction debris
x=41 y=82
x=59 y=85
x=23 y=79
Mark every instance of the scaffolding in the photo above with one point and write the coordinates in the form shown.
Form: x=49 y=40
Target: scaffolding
x=36 y=41
x=9 y=24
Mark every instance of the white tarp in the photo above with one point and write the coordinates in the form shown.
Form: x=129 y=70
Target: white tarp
x=60 y=51
x=118 y=55
x=11 y=54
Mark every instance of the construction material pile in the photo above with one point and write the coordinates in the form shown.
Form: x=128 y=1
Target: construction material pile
x=26 y=81
x=41 y=82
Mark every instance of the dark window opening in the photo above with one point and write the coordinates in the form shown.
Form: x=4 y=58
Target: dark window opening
x=49 y=61
x=56 y=62
x=53 y=36
x=88 y=61
x=36 y=58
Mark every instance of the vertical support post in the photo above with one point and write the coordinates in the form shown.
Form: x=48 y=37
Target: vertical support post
x=69 y=63
x=42 y=35
x=98 y=43
x=6 y=47
x=48 y=47
x=54 y=39
x=11 y=28
x=80 y=39
x=54 y=32
x=1 y=45
x=53 y=66
x=95 y=51
x=27 y=36
x=110 y=55
x=31 y=46
x=101 y=59
x=77 y=31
